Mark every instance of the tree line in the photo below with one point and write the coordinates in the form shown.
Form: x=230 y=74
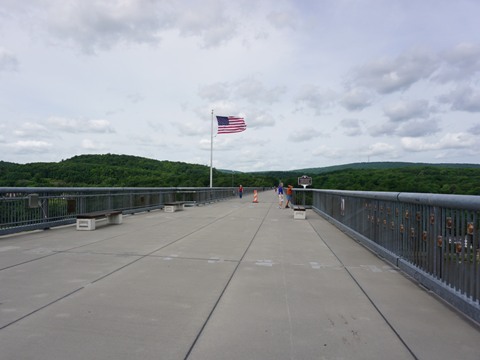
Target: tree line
x=110 y=170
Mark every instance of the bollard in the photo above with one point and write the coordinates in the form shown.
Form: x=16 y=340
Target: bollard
x=255 y=196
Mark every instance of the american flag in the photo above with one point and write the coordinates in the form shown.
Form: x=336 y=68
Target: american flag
x=230 y=124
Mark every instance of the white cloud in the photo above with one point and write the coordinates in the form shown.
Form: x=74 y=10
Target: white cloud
x=305 y=134
x=99 y=126
x=250 y=89
x=225 y=142
x=204 y=144
x=307 y=76
x=415 y=127
x=352 y=127
x=404 y=110
x=379 y=149
x=356 y=99
x=329 y=152
x=81 y=126
x=29 y=129
x=29 y=146
x=418 y=128
x=389 y=75
x=316 y=99
x=259 y=119
x=189 y=128
x=384 y=128
x=255 y=92
x=135 y=97
x=215 y=92
x=282 y=19
x=156 y=126
x=149 y=141
x=101 y=25
x=98 y=24
x=474 y=130
x=8 y=61
x=91 y=145
x=463 y=98
x=220 y=143
x=460 y=63
x=209 y=19
x=448 y=141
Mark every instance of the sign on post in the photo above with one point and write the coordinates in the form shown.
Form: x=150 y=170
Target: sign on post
x=305 y=181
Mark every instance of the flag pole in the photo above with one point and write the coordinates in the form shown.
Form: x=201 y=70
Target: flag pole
x=211 y=152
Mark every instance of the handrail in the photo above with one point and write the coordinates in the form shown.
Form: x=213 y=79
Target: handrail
x=434 y=238
x=27 y=208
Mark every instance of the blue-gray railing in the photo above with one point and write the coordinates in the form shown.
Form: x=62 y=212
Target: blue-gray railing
x=433 y=238
x=23 y=209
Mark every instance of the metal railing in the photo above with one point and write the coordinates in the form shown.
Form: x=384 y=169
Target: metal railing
x=433 y=238
x=23 y=209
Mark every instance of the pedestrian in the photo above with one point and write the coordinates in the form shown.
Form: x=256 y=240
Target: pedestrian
x=240 y=191
x=289 y=193
x=280 y=195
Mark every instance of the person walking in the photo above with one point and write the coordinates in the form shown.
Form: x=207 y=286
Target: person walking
x=289 y=193
x=240 y=191
x=280 y=195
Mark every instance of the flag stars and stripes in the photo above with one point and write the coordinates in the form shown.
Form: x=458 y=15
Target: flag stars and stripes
x=230 y=124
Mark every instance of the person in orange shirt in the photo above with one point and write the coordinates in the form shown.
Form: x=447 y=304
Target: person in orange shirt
x=289 y=193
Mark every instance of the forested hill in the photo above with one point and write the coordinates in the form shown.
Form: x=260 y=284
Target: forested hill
x=115 y=171
x=384 y=165
x=132 y=171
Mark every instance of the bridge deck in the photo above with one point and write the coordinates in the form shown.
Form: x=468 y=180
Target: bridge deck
x=230 y=280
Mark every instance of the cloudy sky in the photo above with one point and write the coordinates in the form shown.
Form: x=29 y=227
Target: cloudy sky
x=319 y=82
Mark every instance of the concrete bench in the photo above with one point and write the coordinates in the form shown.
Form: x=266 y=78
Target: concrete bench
x=299 y=212
x=174 y=206
x=87 y=221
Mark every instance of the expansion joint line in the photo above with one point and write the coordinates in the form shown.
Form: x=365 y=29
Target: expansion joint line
x=41 y=308
x=54 y=252
x=366 y=295
x=226 y=286
x=140 y=257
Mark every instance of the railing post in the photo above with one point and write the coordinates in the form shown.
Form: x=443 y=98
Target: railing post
x=432 y=237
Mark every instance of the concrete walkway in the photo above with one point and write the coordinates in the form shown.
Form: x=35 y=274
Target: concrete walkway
x=230 y=280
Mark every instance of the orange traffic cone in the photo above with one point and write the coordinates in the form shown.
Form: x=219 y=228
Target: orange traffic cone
x=255 y=196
